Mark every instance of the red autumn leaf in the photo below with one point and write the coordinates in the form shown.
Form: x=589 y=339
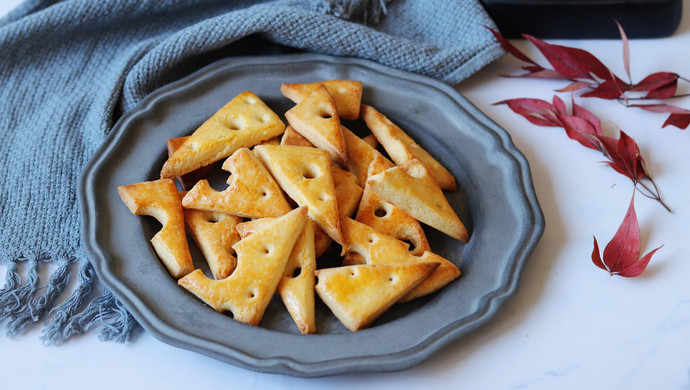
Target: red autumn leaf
x=622 y=254
x=666 y=108
x=580 y=130
x=626 y=49
x=663 y=92
x=559 y=105
x=655 y=81
x=589 y=63
x=559 y=58
x=510 y=48
x=609 y=89
x=581 y=112
x=596 y=256
x=537 y=111
x=680 y=117
x=624 y=155
x=680 y=121
x=629 y=152
x=575 y=86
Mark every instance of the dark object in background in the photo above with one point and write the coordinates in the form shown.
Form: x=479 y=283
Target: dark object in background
x=585 y=18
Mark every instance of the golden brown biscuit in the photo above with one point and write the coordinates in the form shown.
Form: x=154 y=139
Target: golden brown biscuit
x=244 y=122
x=347 y=191
x=293 y=138
x=316 y=119
x=251 y=192
x=296 y=288
x=371 y=140
x=360 y=155
x=412 y=189
x=261 y=260
x=379 y=248
x=305 y=175
x=214 y=234
x=385 y=217
x=359 y=294
x=401 y=148
x=159 y=199
x=321 y=240
x=187 y=180
x=272 y=141
x=347 y=95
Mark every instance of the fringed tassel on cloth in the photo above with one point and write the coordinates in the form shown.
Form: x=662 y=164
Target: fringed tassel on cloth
x=105 y=313
x=15 y=298
x=21 y=305
x=56 y=330
x=39 y=306
x=368 y=11
x=108 y=315
x=8 y=301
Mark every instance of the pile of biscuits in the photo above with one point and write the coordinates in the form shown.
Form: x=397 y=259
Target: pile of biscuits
x=299 y=189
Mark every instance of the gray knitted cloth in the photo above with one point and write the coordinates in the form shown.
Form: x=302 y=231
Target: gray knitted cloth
x=69 y=69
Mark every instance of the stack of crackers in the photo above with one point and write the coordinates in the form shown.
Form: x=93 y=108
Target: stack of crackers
x=288 y=198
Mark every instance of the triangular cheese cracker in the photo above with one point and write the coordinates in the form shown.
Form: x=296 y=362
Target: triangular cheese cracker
x=359 y=294
x=251 y=191
x=305 y=175
x=272 y=141
x=293 y=138
x=296 y=288
x=347 y=95
x=379 y=248
x=347 y=191
x=371 y=140
x=316 y=119
x=244 y=122
x=187 y=180
x=261 y=260
x=214 y=234
x=161 y=200
x=360 y=155
x=412 y=189
x=402 y=148
x=322 y=242
x=385 y=217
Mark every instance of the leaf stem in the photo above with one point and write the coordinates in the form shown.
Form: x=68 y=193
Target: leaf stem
x=652 y=194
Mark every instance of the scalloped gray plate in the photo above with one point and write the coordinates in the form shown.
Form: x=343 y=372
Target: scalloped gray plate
x=495 y=198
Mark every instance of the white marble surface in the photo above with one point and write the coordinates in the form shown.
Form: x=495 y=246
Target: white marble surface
x=569 y=326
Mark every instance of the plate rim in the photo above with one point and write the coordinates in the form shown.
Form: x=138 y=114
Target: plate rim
x=286 y=365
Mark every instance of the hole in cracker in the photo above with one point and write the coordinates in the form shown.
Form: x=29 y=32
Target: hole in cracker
x=310 y=172
x=322 y=197
x=416 y=171
x=380 y=212
x=233 y=124
x=265 y=249
x=393 y=278
x=325 y=113
x=410 y=243
x=296 y=272
x=371 y=239
x=264 y=193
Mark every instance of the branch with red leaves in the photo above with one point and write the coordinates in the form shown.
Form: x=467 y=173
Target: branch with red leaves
x=585 y=71
x=622 y=254
x=623 y=154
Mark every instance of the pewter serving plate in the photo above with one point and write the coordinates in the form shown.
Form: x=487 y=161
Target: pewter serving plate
x=495 y=199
